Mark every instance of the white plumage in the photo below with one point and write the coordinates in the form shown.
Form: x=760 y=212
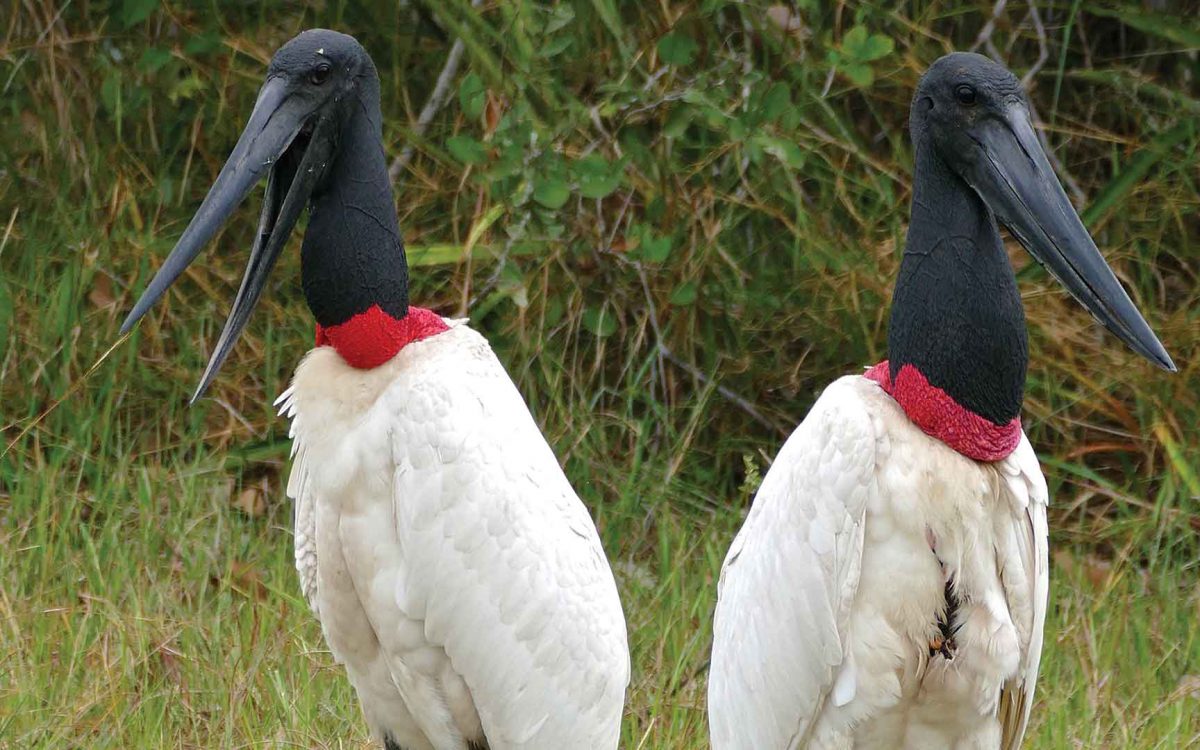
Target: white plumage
x=828 y=595
x=455 y=573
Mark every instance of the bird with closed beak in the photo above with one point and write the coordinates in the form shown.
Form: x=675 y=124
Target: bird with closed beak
x=888 y=587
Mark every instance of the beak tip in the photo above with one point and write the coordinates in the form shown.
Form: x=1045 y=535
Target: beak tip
x=136 y=314
x=1157 y=353
x=199 y=394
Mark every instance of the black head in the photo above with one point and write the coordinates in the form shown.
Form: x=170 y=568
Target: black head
x=326 y=60
x=315 y=85
x=955 y=96
x=322 y=73
x=973 y=116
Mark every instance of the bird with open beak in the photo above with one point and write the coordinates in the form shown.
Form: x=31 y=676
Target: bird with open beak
x=455 y=572
x=888 y=588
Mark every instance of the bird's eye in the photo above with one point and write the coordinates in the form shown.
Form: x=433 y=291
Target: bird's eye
x=964 y=94
x=320 y=74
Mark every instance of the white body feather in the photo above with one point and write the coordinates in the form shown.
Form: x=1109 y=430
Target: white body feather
x=830 y=593
x=455 y=573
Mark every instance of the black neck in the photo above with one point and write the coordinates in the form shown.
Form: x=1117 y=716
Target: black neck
x=956 y=313
x=353 y=256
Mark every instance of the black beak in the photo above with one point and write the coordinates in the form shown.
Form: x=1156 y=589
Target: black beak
x=1015 y=179
x=265 y=146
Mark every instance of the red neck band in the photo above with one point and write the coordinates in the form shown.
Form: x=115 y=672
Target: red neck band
x=373 y=337
x=940 y=416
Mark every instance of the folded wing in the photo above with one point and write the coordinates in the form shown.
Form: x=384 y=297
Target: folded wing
x=788 y=582
x=503 y=564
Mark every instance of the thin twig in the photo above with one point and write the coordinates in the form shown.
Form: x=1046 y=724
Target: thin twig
x=437 y=99
x=1044 y=55
x=658 y=334
x=726 y=393
x=1043 y=48
x=985 y=34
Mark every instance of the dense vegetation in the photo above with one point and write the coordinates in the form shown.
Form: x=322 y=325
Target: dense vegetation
x=675 y=221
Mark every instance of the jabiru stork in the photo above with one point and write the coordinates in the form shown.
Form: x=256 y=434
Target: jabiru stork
x=454 y=571
x=888 y=587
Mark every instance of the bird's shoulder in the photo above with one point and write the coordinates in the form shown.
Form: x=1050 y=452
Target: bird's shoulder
x=1023 y=476
x=817 y=488
x=829 y=459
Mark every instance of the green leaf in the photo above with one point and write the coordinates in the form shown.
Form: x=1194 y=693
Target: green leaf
x=556 y=46
x=651 y=248
x=698 y=97
x=853 y=41
x=551 y=192
x=554 y=311
x=560 y=16
x=203 y=44
x=472 y=96
x=684 y=294
x=466 y=149
x=860 y=75
x=510 y=159
x=436 y=255
x=777 y=101
x=656 y=249
x=656 y=208
x=859 y=47
x=153 y=59
x=677 y=49
x=677 y=121
x=782 y=149
x=598 y=177
x=598 y=187
x=186 y=88
x=512 y=284
x=878 y=46
x=135 y=11
x=601 y=323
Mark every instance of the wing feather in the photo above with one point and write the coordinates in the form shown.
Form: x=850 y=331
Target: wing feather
x=304 y=521
x=1027 y=490
x=504 y=564
x=789 y=580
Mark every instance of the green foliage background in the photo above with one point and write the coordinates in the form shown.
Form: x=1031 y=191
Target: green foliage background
x=676 y=222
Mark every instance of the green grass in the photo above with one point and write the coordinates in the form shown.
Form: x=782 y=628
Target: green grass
x=683 y=208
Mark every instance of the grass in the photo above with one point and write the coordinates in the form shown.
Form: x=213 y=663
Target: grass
x=621 y=196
